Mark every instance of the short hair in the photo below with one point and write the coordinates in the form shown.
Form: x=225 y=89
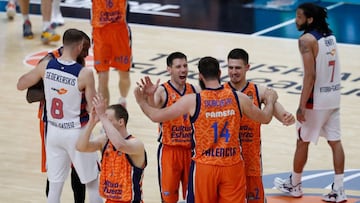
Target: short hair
x=72 y=36
x=120 y=112
x=319 y=15
x=239 y=54
x=174 y=55
x=86 y=37
x=209 y=67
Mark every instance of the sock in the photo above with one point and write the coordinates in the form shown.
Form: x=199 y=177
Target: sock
x=338 y=181
x=295 y=178
x=46 y=25
x=55 y=10
x=26 y=17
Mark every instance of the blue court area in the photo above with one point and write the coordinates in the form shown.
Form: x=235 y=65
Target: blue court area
x=274 y=18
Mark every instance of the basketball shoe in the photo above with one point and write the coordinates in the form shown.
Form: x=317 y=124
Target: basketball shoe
x=335 y=195
x=49 y=35
x=11 y=10
x=27 y=33
x=285 y=185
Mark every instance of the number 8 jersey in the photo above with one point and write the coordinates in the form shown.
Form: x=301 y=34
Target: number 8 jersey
x=65 y=103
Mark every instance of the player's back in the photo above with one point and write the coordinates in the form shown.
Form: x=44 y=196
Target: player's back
x=65 y=102
x=326 y=93
x=216 y=127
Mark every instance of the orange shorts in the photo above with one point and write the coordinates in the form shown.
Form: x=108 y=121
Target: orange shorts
x=112 y=47
x=255 y=189
x=221 y=184
x=42 y=128
x=174 y=167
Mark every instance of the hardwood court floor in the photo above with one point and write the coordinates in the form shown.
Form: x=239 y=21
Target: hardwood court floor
x=275 y=62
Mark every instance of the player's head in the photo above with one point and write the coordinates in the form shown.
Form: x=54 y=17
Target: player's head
x=238 y=64
x=177 y=67
x=117 y=112
x=73 y=40
x=209 y=69
x=310 y=16
x=85 y=50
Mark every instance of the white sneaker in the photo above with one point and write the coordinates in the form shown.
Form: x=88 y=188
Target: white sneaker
x=11 y=10
x=285 y=185
x=335 y=195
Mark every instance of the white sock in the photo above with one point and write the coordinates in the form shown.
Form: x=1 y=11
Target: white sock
x=338 y=181
x=26 y=17
x=55 y=10
x=46 y=25
x=295 y=178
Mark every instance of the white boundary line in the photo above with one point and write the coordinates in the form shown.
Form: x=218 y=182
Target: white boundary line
x=288 y=22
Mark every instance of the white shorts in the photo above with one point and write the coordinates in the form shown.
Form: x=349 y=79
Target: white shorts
x=325 y=123
x=61 y=153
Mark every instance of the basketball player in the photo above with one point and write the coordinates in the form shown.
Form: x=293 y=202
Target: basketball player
x=67 y=85
x=238 y=65
x=217 y=170
x=33 y=96
x=124 y=157
x=318 y=113
x=112 y=45
x=174 y=151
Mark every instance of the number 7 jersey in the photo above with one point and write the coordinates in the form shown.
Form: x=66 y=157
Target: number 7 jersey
x=326 y=90
x=216 y=128
x=65 y=103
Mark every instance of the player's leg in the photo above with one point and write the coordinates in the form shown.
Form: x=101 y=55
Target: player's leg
x=169 y=174
x=102 y=56
x=48 y=31
x=77 y=187
x=27 y=30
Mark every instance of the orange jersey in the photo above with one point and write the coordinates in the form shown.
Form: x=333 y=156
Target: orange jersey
x=109 y=11
x=250 y=134
x=120 y=180
x=216 y=127
x=176 y=132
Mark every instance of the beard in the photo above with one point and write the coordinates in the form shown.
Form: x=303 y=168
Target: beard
x=302 y=27
x=201 y=84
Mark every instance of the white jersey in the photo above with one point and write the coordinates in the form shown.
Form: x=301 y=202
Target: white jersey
x=65 y=103
x=326 y=92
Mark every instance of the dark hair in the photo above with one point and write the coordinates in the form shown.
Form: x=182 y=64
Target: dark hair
x=86 y=37
x=319 y=15
x=174 y=55
x=239 y=54
x=209 y=67
x=120 y=112
x=72 y=36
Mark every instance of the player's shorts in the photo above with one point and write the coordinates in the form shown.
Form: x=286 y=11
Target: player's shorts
x=61 y=151
x=221 y=184
x=174 y=167
x=112 y=47
x=324 y=123
x=255 y=189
